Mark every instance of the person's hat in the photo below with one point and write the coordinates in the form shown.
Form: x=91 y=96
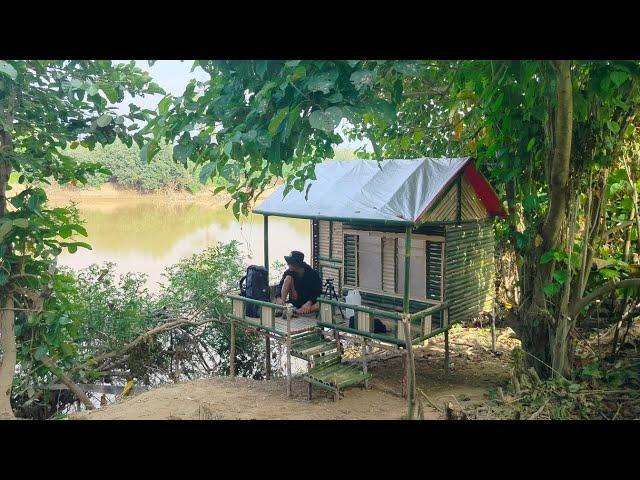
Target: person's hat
x=296 y=258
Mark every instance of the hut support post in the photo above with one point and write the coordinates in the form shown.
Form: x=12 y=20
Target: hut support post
x=267 y=340
x=289 y=314
x=493 y=331
x=232 y=350
x=406 y=324
x=404 y=373
x=364 y=361
x=446 y=352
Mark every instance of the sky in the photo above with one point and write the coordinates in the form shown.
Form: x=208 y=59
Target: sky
x=173 y=76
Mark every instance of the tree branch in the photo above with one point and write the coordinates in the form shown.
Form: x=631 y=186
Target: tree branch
x=47 y=362
x=602 y=291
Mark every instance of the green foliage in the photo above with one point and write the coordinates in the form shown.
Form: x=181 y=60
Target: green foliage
x=115 y=309
x=94 y=311
x=127 y=169
x=255 y=121
x=197 y=285
x=45 y=107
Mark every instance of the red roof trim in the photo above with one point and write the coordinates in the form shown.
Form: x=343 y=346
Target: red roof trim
x=481 y=186
x=484 y=191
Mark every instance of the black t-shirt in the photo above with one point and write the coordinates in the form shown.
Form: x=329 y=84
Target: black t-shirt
x=308 y=286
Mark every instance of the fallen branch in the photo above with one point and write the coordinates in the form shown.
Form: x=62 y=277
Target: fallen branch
x=430 y=401
x=80 y=395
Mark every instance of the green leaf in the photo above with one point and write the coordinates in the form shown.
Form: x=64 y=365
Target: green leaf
x=109 y=91
x=560 y=276
x=551 y=289
x=613 y=126
x=79 y=228
x=164 y=104
x=5 y=228
x=363 y=79
x=619 y=77
x=148 y=151
x=326 y=120
x=320 y=83
x=531 y=143
x=384 y=110
x=8 y=70
x=93 y=89
x=292 y=63
x=335 y=98
x=181 y=153
x=21 y=222
x=276 y=121
x=103 y=120
x=67 y=349
x=40 y=352
x=551 y=255
x=609 y=273
x=65 y=231
x=206 y=172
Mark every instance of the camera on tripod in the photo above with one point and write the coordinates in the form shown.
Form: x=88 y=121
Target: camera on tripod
x=330 y=293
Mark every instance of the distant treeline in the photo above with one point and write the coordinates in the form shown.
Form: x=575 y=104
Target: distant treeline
x=163 y=173
x=129 y=170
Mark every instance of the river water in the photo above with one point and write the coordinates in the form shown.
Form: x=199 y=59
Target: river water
x=147 y=237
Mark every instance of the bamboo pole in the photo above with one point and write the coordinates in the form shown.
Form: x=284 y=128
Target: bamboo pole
x=407 y=265
x=267 y=357
x=289 y=314
x=404 y=374
x=406 y=324
x=267 y=340
x=446 y=351
x=364 y=362
x=493 y=330
x=232 y=350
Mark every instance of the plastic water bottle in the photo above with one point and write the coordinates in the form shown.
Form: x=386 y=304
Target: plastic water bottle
x=352 y=298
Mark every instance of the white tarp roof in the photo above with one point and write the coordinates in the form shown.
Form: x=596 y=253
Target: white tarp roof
x=390 y=191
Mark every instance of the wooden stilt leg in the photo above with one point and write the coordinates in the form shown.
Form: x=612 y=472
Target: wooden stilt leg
x=289 y=314
x=310 y=386
x=267 y=357
x=232 y=350
x=404 y=373
x=493 y=331
x=446 y=351
x=364 y=361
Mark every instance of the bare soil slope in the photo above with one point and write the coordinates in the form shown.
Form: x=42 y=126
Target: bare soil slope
x=474 y=369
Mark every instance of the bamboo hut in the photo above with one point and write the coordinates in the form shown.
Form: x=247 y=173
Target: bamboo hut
x=413 y=236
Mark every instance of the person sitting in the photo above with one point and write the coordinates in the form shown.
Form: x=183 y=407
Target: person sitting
x=300 y=285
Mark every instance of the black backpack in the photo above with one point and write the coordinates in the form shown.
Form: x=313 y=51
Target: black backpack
x=255 y=284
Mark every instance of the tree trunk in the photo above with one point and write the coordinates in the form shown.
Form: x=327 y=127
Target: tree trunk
x=545 y=333
x=7 y=316
x=8 y=364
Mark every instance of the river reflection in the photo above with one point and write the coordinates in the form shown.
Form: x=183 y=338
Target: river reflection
x=148 y=237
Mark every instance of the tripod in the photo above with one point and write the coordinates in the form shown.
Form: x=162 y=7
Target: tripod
x=330 y=292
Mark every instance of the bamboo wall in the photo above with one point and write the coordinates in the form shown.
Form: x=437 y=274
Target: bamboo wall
x=329 y=250
x=469 y=269
x=446 y=208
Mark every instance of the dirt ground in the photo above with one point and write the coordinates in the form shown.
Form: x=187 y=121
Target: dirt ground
x=473 y=370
